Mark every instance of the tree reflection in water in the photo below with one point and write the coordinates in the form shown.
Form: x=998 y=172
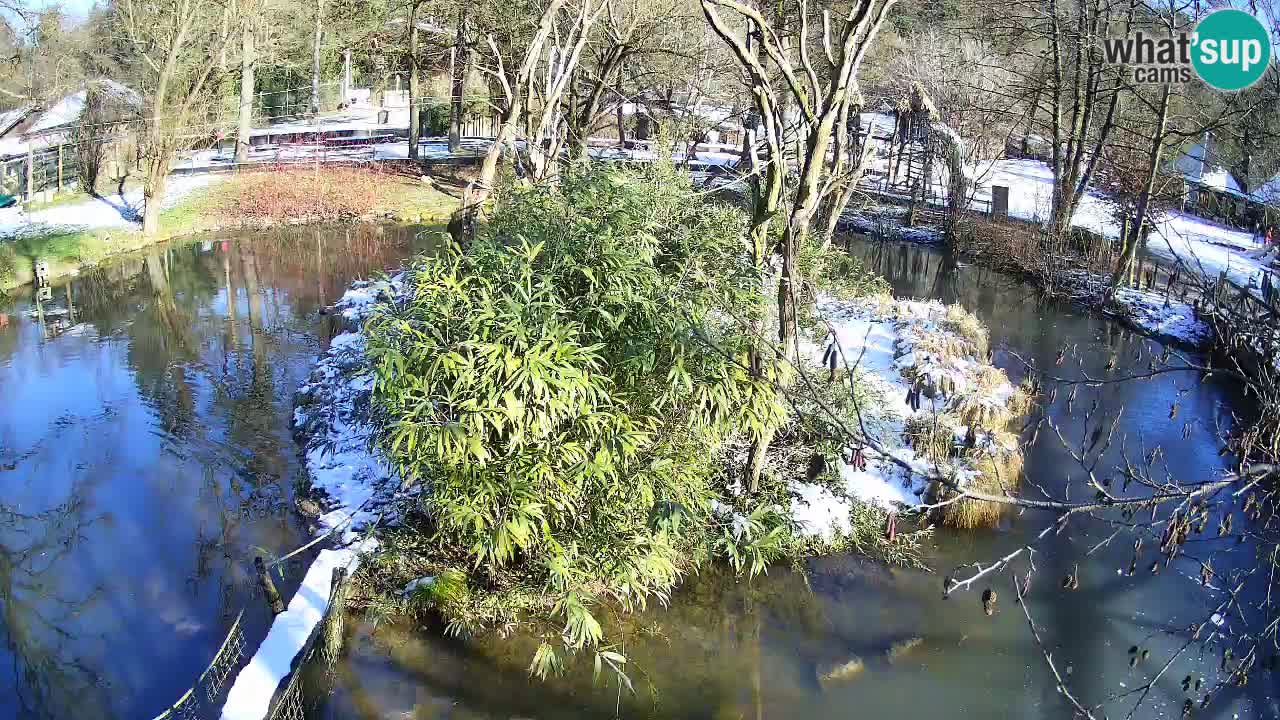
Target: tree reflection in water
x=146 y=456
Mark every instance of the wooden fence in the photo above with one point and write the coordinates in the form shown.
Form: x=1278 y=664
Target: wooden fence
x=52 y=168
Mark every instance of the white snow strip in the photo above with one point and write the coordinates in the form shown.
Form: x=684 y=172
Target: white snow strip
x=115 y=211
x=257 y=682
x=356 y=483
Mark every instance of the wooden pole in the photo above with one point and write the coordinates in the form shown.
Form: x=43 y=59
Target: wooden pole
x=331 y=624
x=268 y=587
x=31 y=174
x=59 y=167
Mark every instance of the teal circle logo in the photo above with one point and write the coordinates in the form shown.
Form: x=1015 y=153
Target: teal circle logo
x=1230 y=49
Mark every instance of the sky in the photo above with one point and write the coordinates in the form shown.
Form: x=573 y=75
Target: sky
x=76 y=8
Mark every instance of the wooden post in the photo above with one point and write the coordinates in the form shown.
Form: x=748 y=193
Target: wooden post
x=268 y=587
x=331 y=623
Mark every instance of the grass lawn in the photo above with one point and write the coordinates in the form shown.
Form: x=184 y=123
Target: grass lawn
x=251 y=199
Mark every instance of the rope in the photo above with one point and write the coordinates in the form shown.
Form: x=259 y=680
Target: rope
x=350 y=517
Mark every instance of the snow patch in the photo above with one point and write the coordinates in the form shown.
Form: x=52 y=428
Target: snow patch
x=257 y=682
x=356 y=483
x=883 y=338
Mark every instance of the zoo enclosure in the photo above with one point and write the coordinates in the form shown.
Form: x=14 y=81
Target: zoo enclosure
x=51 y=168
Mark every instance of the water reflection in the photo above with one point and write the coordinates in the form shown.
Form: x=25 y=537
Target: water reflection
x=729 y=650
x=146 y=456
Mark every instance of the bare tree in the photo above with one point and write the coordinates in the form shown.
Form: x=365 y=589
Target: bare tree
x=531 y=93
x=174 y=46
x=781 y=71
x=316 y=46
x=415 y=112
x=460 y=65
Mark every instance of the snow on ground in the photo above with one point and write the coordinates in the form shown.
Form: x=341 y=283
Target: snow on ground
x=332 y=414
x=1162 y=317
x=431 y=149
x=1201 y=245
x=885 y=340
x=1148 y=310
x=257 y=682
x=888 y=221
x=96 y=212
x=1209 y=249
x=356 y=485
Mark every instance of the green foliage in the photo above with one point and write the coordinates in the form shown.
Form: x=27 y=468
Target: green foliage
x=8 y=261
x=448 y=590
x=837 y=272
x=435 y=117
x=562 y=388
x=751 y=542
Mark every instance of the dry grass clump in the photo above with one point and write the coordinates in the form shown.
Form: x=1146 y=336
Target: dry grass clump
x=880 y=305
x=945 y=345
x=999 y=469
x=986 y=406
x=1022 y=399
x=966 y=325
x=997 y=460
x=933 y=437
x=970 y=514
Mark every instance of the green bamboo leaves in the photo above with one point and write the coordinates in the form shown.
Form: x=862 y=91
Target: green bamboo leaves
x=563 y=386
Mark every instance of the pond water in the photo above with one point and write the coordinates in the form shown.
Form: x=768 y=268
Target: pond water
x=146 y=457
x=729 y=649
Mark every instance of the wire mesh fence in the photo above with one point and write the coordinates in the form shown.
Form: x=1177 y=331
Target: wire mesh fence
x=310 y=680
x=200 y=700
x=49 y=168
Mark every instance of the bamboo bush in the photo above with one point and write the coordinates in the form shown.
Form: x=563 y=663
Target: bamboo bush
x=561 y=390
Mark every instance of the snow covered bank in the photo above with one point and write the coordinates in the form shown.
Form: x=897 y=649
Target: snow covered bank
x=354 y=485
x=888 y=222
x=251 y=694
x=114 y=211
x=1147 y=311
x=924 y=362
x=1201 y=246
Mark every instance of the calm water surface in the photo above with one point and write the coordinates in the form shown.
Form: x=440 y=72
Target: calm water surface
x=146 y=456
x=728 y=649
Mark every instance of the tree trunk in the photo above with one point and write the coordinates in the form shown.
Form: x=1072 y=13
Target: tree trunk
x=1144 y=199
x=415 y=115
x=622 y=116
x=461 y=63
x=248 y=62
x=315 y=58
x=157 y=167
x=462 y=222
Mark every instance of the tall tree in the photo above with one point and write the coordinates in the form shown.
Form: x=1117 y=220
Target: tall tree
x=415 y=113
x=316 y=46
x=172 y=51
x=459 y=67
x=248 y=67
x=785 y=72
x=513 y=65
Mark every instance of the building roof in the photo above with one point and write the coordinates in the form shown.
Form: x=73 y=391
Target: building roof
x=28 y=127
